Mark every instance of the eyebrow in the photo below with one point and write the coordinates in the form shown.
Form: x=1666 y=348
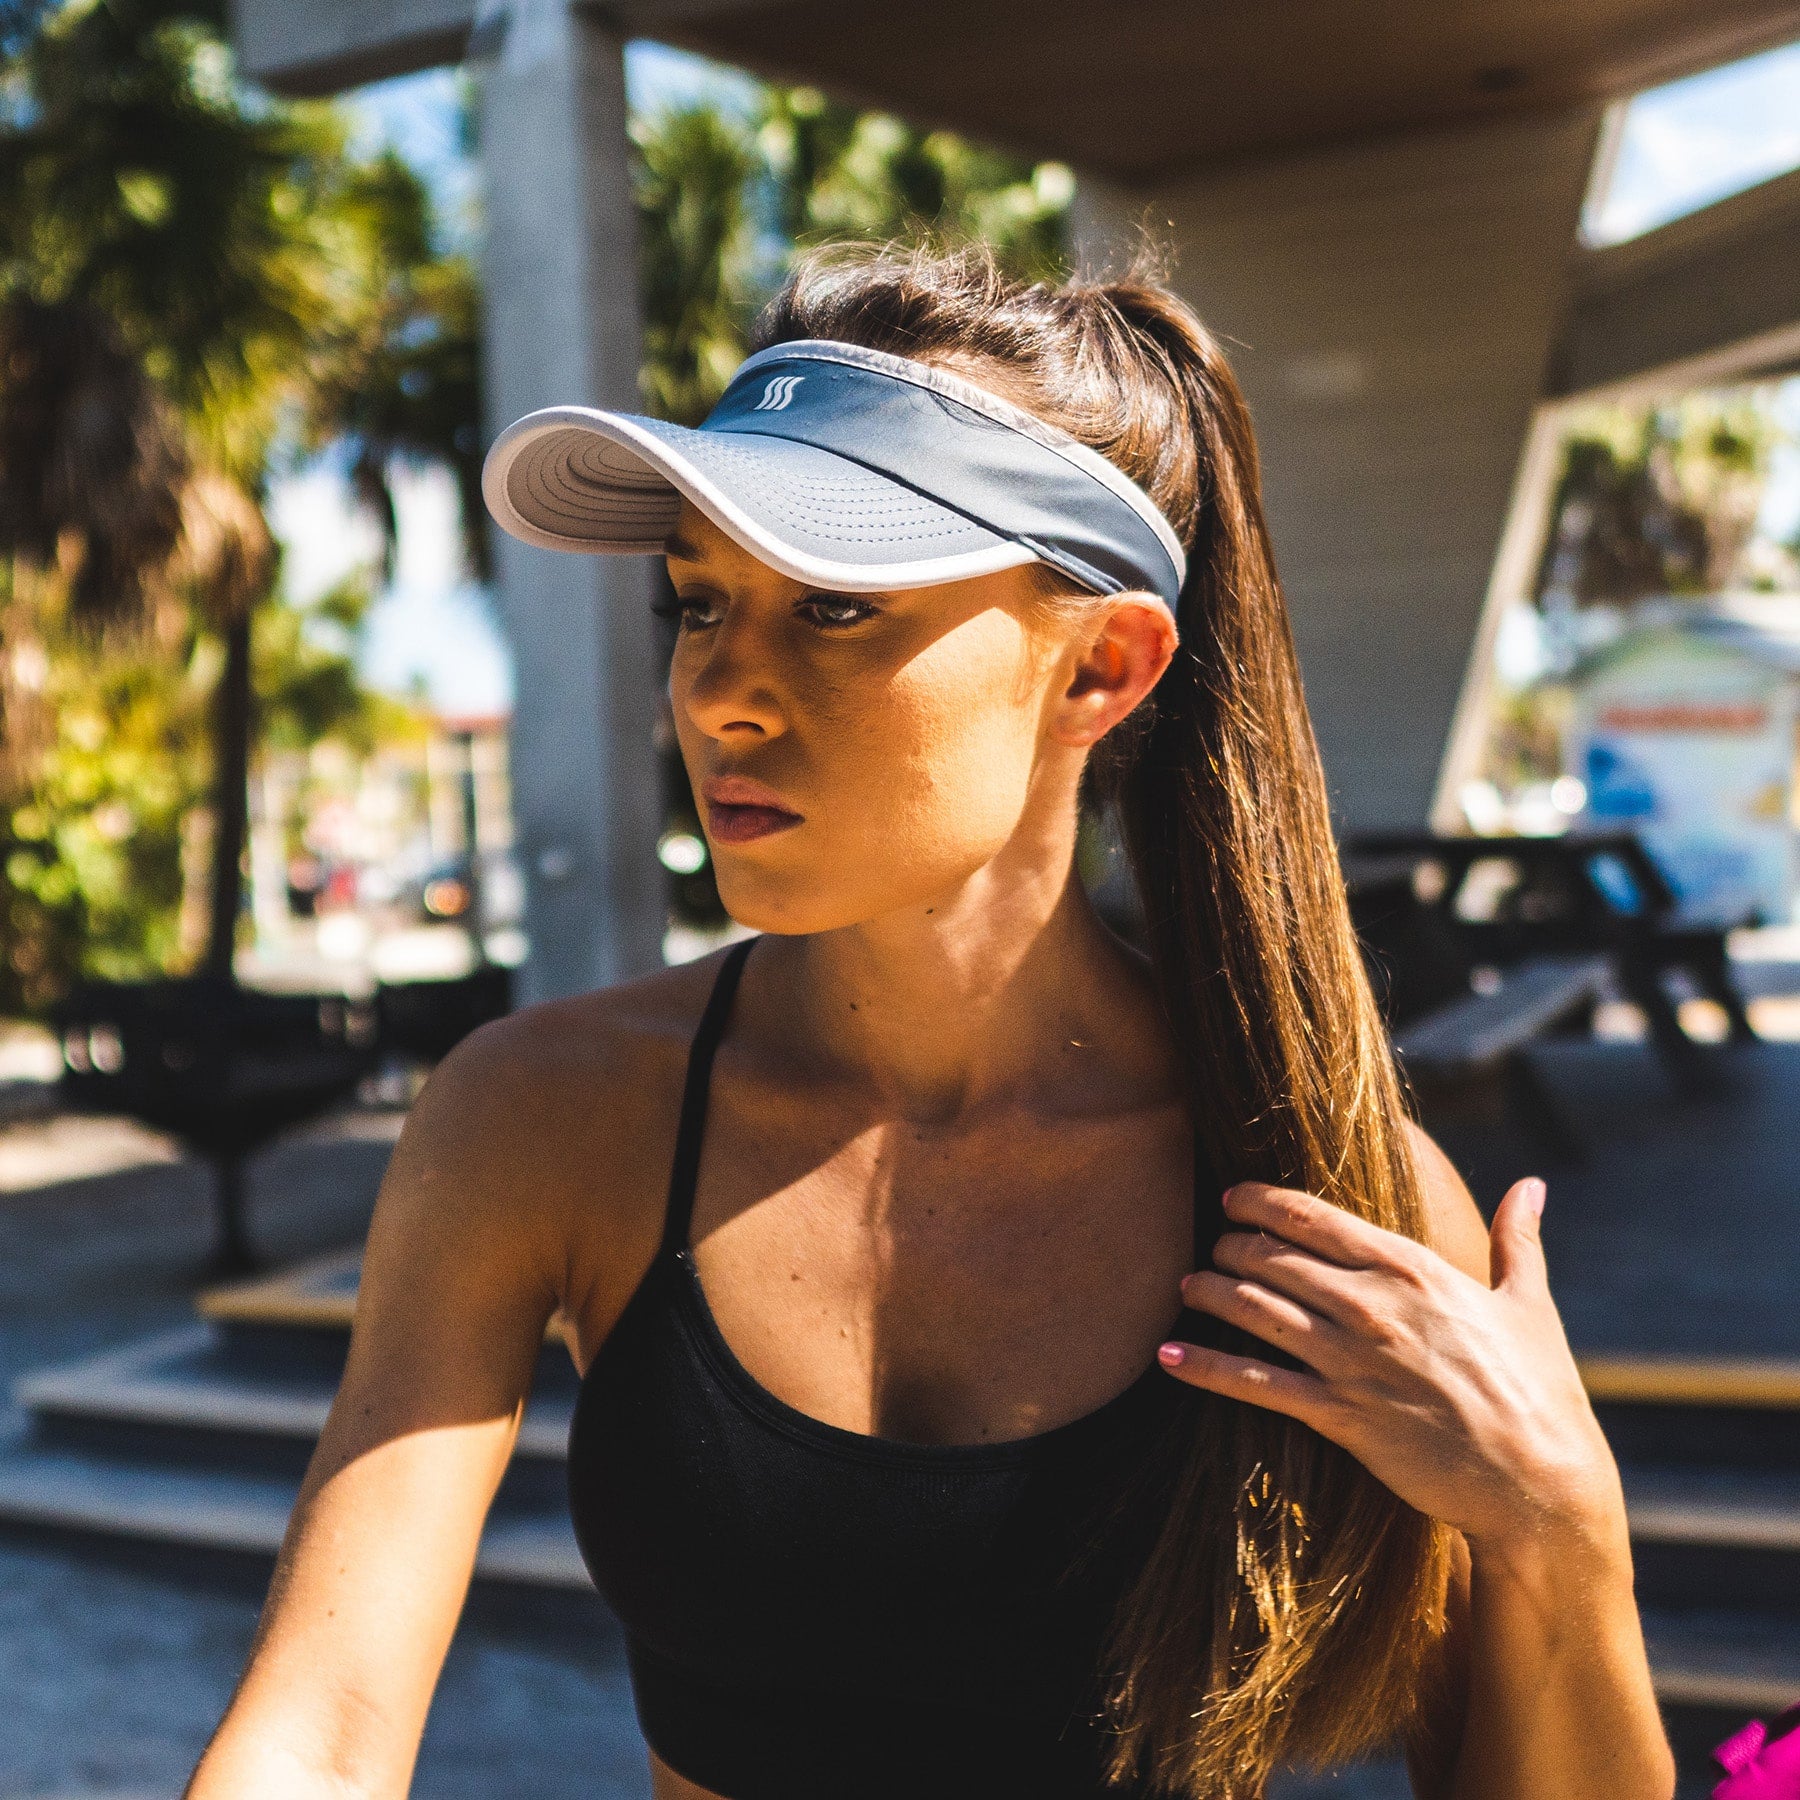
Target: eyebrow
x=677 y=546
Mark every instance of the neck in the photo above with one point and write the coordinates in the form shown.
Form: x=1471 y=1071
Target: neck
x=1007 y=990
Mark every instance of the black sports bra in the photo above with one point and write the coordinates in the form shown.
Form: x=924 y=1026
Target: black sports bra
x=812 y=1613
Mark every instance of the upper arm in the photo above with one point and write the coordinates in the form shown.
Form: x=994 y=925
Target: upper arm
x=1458 y=1233
x=462 y=1270
x=1455 y=1229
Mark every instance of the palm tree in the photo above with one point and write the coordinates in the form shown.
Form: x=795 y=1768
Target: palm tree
x=185 y=278
x=695 y=167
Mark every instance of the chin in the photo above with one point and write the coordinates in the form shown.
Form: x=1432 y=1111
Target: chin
x=785 y=908
x=795 y=902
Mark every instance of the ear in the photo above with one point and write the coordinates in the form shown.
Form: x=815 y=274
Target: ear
x=1113 y=666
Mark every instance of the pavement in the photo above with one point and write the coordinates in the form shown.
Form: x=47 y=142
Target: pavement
x=1675 y=1234
x=1678 y=1232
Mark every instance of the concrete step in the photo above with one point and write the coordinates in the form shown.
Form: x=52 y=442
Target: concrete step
x=193 y=1398
x=1719 y=1660
x=310 y=1297
x=1706 y=1410
x=1716 y=1536
x=47 y=1487
x=1747 y=1509
x=189 y=1378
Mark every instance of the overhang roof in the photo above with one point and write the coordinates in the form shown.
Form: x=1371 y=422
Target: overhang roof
x=1139 y=90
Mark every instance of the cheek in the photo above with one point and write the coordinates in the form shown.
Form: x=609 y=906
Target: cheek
x=960 y=745
x=913 y=776
x=928 y=776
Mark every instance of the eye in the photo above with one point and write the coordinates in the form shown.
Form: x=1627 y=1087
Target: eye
x=693 y=612
x=835 y=611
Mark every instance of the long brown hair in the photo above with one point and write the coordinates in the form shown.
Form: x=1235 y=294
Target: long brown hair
x=1287 y=1611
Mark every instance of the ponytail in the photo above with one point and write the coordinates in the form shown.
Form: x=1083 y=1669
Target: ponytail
x=1288 y=1608
x=1302 y=1593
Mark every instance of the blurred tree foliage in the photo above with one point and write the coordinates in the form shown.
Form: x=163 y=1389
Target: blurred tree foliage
x=1657 y=500
x=726 y=197
x=695 y=168
x=191 y=279
x=195 y=281
x=93 y=842
x=100 y=844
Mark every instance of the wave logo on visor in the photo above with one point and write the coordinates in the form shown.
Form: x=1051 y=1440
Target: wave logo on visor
x=778 y=393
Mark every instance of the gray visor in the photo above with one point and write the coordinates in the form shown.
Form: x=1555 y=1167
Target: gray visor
x=843 y=468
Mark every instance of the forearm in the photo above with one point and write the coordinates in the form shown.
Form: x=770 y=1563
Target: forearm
x=299 y=1732
x=1560 y=1705
x=241 y=1764
x=334 y=1695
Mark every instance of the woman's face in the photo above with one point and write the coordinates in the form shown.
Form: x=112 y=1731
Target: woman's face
x=856 y=754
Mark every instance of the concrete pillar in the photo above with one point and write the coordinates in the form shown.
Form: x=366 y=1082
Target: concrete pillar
x=1390 y=306
x=562 y=325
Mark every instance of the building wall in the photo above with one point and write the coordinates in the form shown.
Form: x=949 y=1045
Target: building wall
x=1390 y=307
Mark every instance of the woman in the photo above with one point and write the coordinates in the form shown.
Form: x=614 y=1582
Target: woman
x=942 y=1431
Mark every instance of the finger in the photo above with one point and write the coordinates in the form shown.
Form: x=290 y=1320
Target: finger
x=1316 y=1225
x=1515 y=1243
x=1269 y=1315
x=1349 y=1298
x=1299 y=1395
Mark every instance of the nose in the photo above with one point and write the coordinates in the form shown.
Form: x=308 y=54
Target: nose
x=725 y=683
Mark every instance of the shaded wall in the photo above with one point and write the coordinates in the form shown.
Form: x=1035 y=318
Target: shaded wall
x=1390 y=307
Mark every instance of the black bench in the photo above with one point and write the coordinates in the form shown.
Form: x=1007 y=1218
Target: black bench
x=1584 y=894
x=426 y=1020
x=224 y=1069
x=1458 y=1021
x=1483 y=1035
x=221 y=1068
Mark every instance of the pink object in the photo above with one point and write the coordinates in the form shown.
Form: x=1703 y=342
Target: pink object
x=1762 y=1762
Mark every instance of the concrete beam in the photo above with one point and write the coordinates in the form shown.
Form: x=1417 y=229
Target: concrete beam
x=1388 y=307
x=325 y=46
x=562 y=325
x=1714 y=296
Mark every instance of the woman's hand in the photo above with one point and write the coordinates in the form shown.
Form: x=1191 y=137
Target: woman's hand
x=1463 y=1399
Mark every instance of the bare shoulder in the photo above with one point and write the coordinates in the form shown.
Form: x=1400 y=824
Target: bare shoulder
x=537 y=1151
x=534 y=1089
x=1454 y=1223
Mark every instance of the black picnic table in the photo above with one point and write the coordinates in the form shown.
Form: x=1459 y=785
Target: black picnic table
x=224 y=1068
x=1585 y=893
x=1478 y=945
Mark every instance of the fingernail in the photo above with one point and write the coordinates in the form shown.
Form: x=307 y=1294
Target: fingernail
x=1170 y=1355
x=1535 y=1193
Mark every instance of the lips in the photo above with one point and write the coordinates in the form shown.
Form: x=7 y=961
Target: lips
x=739 y=810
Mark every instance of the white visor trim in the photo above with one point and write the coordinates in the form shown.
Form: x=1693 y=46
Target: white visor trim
x=576 y=478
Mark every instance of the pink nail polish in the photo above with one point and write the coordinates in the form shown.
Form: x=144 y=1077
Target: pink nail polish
x=1170 y=1355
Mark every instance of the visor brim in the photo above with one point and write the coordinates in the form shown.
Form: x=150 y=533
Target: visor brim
x=578 y=478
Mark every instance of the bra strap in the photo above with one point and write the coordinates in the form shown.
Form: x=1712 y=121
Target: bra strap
x=684 y=1172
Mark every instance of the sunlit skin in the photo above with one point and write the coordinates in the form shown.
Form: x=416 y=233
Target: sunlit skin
x=946 y=1197
x=917 y=734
